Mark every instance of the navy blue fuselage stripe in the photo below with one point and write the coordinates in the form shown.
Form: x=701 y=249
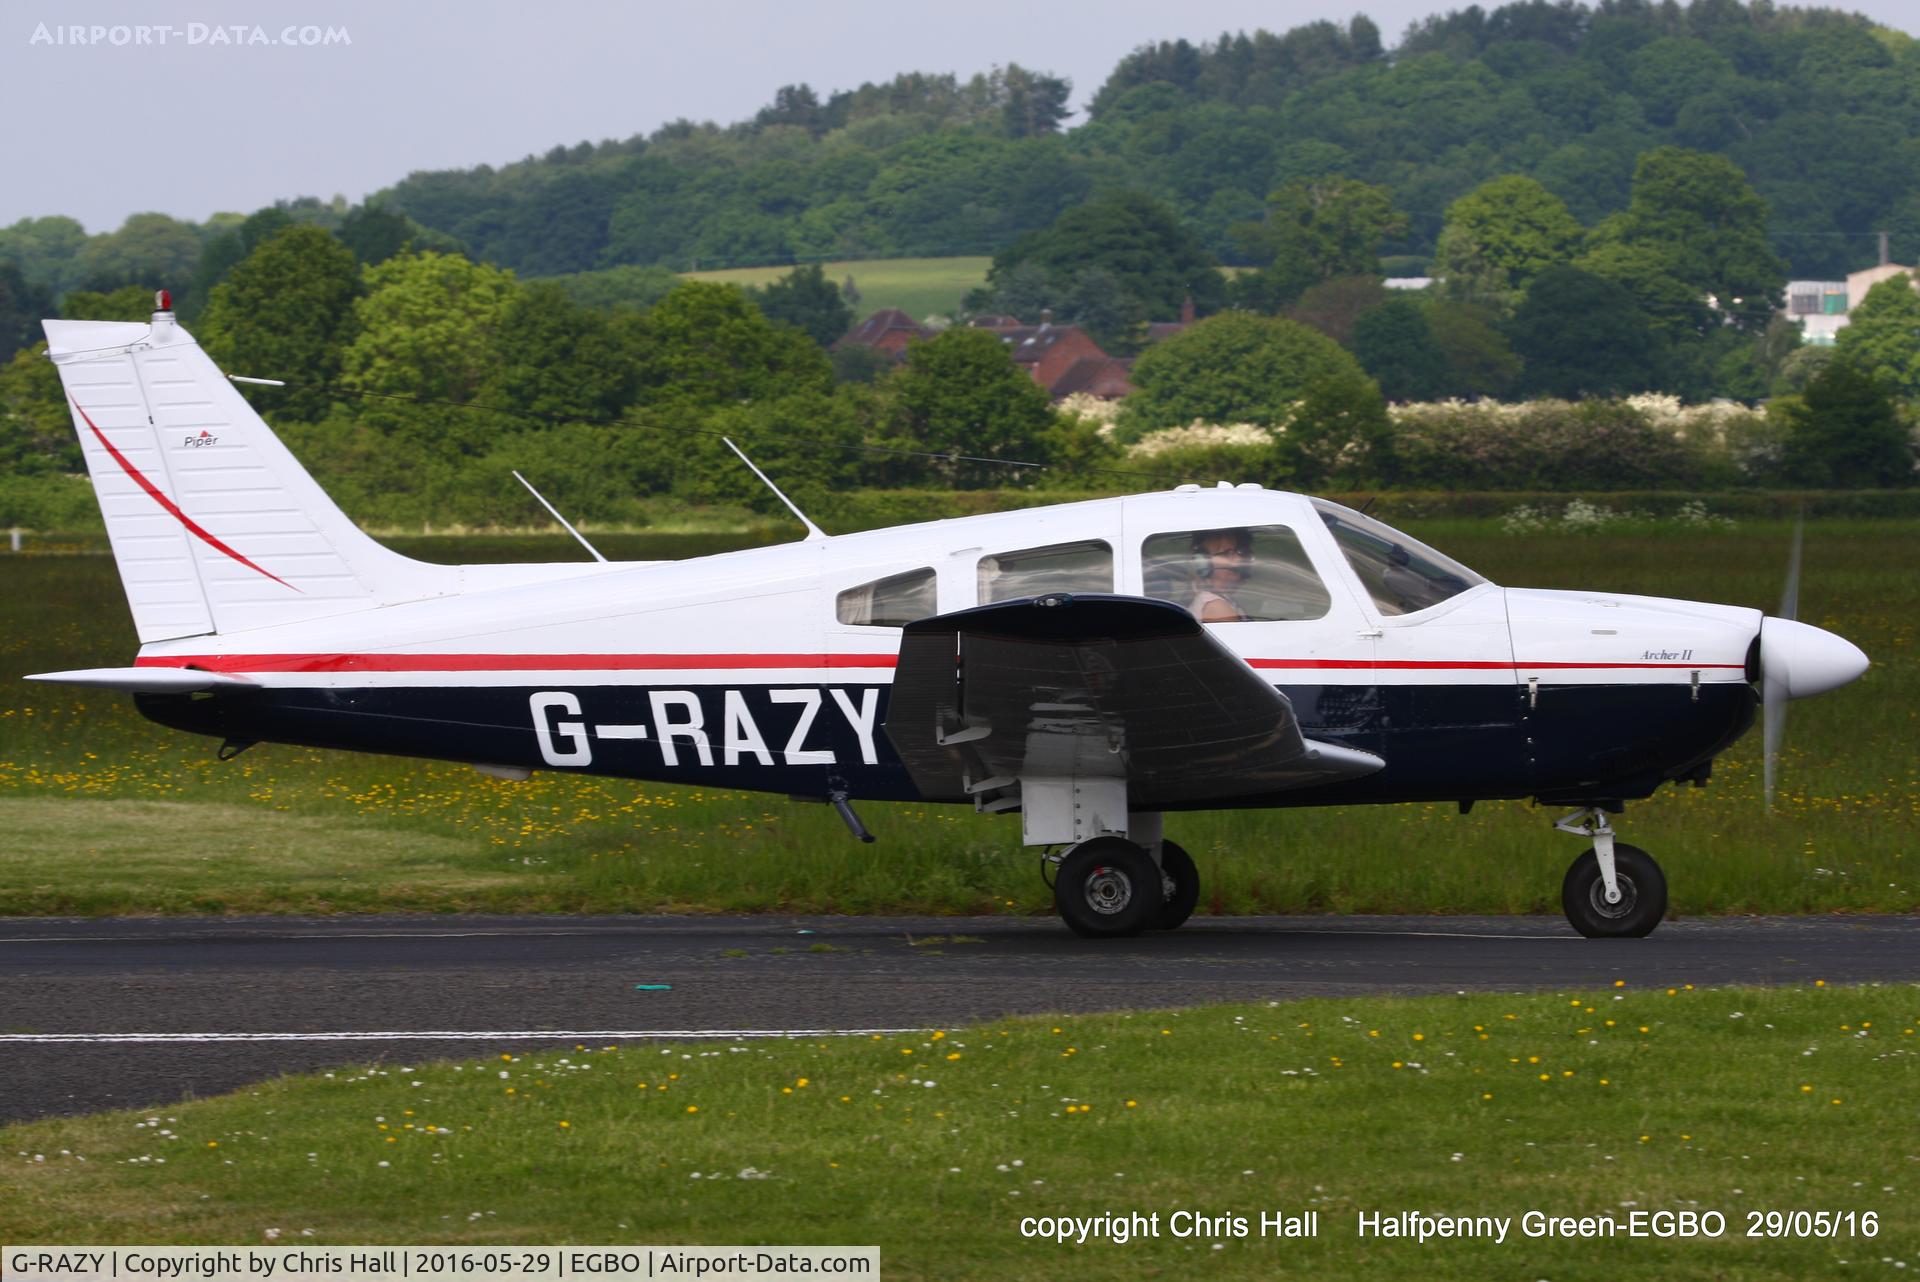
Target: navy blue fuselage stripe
x=1440 y=742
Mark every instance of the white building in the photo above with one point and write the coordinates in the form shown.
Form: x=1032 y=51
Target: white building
x=1821 y=307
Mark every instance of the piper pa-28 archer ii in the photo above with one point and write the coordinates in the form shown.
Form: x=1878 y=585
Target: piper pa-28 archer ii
x=1093 y=666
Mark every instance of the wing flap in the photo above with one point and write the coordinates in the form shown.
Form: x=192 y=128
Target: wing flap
x=1093 y=686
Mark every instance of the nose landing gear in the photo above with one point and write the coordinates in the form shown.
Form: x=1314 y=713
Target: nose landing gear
x=1613 y=891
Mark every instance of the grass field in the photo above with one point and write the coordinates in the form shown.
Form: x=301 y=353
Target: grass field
x=295 y=830
x=936 y=1145
x=920 y=287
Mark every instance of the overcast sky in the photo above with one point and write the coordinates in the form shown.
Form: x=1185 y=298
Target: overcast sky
x=189 y=124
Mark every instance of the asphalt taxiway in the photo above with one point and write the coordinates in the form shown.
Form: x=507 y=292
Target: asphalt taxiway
x=131 y=1013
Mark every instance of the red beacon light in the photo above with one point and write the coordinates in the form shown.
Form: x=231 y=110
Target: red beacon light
x=162 y=300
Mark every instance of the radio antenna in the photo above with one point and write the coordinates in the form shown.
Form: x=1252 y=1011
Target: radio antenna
x=592 y=551
x=813 y=531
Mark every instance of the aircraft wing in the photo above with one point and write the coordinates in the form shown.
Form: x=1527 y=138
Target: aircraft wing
x=1093 y=685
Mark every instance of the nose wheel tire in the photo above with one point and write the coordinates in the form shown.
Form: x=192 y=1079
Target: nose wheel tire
x=1108 y=887
x=1642 y=902
x=1181 y=881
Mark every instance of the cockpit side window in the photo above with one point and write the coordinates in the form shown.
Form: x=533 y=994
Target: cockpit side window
x=892 y=602
x=1400 y=573
x=1062 y=567
x=1257 y=574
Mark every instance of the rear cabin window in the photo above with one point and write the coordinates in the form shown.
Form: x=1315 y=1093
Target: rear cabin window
x=892 y=602
x=1239 y=574
x=1063 y=567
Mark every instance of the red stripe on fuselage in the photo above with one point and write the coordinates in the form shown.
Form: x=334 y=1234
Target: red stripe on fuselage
x=153 y=491
x=1473 y=665
x=739 y=662
x=509 y=662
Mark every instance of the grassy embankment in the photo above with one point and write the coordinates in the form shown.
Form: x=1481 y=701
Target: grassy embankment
x=936 y=1145
x=108 y=813
x=920 y=287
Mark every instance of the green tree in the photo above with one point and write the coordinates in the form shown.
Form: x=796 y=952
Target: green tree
x=45 y=250
x=1499 y=236
x=704 y=344
x=1339 y=433
x=150 y=250
x=1882 y=335
x=808 y=443
x=1315 y=230
x=376 y=233
x=429 y=329
x=1332 y=306
x=1395 y=345
x=627 y=288
x=1693 y=229
x=287 y=311
x=805 y=299
x=1232 y=368
x=1845 y=432
x=36 y=427
x=962 y=394
x=1032 y=103
x=1581 y=335
x=1480 y=361
x=556 y=359
x=22 y=307
x=1151 y=263
x=127 y=303
x=224 y=251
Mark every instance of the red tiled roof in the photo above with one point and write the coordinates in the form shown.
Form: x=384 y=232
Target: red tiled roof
x=884 y=328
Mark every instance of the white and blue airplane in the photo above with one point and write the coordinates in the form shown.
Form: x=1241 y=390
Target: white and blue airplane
x=1093 y=666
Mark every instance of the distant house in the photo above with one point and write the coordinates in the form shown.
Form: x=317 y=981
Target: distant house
x=1051 y=350
x=1101 y=376
x=888 y=330
x=1858 y=283
x=1821 y=307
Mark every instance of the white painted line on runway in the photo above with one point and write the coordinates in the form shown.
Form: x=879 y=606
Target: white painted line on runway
x=1420 y=934
x=457 y=1035
x=248 y=933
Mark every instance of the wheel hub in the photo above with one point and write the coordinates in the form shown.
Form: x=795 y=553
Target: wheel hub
x=1109 y=891
x=1597 y=895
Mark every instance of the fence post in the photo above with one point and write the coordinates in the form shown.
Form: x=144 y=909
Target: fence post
x=16 y=538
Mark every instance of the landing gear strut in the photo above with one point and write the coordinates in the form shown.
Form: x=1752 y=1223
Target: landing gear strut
x=1613 y=891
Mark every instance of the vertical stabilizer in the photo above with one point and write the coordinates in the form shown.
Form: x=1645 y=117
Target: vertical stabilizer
x=215 y=526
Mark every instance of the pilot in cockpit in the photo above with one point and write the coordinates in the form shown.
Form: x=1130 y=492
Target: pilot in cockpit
x=1221 y=560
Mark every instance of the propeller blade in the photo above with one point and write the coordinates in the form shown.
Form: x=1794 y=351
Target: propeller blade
x=1790 y=597
x=1773 y=683
x=1773 y=710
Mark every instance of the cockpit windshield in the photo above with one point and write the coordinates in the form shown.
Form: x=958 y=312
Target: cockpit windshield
x=1401 y=574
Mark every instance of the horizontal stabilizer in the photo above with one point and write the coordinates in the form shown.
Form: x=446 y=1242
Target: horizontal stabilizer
x=146 y=680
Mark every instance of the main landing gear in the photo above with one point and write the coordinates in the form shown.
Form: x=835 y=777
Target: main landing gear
x=1109 y=886
x=1613 y=891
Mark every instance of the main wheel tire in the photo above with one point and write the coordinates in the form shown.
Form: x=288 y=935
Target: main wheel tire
x=1107 y=887
x=1176 y=867
x=1643 y=895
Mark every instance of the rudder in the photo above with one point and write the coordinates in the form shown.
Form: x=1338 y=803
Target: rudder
x=215 y=526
